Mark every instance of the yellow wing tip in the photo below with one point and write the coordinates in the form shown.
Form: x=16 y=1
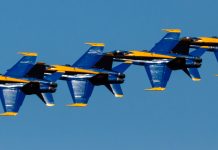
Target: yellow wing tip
x=156 y=89
x=216 y=75
x=50 y=105
x=95 y=44
x=118 y=95
x=172 y=30
x=77 y=105
x=28 y=53
x=196 y=79
x=9 y=114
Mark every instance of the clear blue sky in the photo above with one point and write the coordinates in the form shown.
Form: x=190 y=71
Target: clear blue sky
x=185 y=116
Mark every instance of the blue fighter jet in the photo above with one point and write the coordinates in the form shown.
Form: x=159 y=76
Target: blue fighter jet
x=26 y=78
x=168 y=54
x=92 y=69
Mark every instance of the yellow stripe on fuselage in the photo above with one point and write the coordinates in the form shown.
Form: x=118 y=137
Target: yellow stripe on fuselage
x=207 y=40
x=60 y=68
x=9 y=79
x=148 y=54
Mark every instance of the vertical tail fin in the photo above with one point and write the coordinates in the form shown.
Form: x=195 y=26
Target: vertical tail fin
x=193 y=73
x=115 y=89
x=46 y=98
x=23 y=66
x=91 y=56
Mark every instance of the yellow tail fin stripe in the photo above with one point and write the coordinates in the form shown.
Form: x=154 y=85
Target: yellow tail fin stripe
x=28 y=53
x=172 y=30
x=77 y=104
x=118 y=95
x=95 y=44
x=196 y=79
x=156 y=89
x=9 y=114
x=50 y=105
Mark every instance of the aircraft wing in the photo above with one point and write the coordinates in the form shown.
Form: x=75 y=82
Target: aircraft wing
x=168 y=42
x=158 y=75
x=91 y=57
x=81 y=90
x=23 y=66
x=12 y=99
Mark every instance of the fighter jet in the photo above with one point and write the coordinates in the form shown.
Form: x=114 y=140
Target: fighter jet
x=25 y=78
x=90 y=70
x=210 y=42
x=170 y=53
